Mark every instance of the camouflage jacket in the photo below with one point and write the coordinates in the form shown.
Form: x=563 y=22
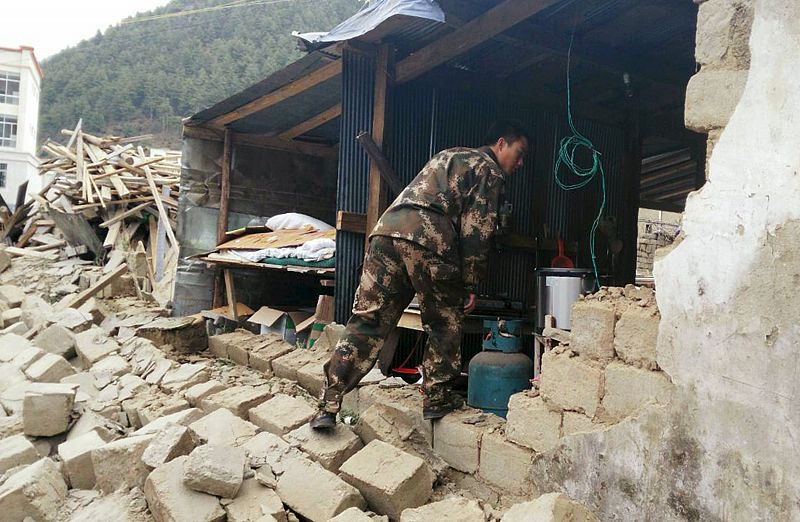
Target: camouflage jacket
x=451 y=209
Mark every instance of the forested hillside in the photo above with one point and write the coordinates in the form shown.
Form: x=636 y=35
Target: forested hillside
x=144 y=77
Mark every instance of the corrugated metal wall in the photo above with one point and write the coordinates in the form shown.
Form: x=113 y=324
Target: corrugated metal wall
x=425 y=120
x=358 y=78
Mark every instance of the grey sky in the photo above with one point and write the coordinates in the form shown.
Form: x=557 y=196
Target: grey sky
x=52 y=25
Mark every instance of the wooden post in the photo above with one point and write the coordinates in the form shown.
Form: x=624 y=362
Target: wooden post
x=625 y=270
x=378 y=193
x=230 y=292
x=225 y=186
x=224 y=202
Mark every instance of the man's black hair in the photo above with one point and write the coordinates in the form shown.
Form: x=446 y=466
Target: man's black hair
x=508 y=129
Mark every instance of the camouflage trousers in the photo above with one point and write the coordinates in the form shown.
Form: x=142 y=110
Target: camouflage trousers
x=394 y=271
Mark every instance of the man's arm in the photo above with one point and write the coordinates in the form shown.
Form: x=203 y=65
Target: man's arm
x=478 y=223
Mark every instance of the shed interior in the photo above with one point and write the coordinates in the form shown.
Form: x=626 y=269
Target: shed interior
x=419 y=85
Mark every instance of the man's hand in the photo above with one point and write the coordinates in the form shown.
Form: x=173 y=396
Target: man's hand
x=470 y=306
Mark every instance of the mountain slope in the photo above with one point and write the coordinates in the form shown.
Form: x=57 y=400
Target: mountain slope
x=144 y=77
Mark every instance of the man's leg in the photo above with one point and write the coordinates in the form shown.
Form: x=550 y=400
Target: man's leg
x=440 y=289
x=383 y=293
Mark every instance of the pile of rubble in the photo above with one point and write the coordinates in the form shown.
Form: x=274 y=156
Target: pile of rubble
x=112 y=410
x=104 y=200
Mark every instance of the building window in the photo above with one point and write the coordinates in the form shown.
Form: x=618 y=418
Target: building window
x=3 y=172
x=8 y=131
x=9 y=88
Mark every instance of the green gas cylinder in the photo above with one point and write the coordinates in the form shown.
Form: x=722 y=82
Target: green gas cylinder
x=500 y=370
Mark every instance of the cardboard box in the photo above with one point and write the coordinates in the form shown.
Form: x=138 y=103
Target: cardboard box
x=282 y=322
x=294 y=325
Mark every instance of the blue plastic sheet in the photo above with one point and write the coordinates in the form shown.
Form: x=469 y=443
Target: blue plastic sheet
x=370 y=17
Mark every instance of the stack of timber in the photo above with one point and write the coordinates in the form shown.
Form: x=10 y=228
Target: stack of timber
x=104 y=199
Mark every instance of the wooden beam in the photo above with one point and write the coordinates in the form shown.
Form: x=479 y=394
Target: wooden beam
x=225 y=185
x=312 y=123
x=624 y=270
x=377 y=192
x=15 y=251
x=537 y=38
x=470 y=35
x=351 y=222
x=101 y=283
x=230 y=292
x=162 y=212
x=267 y=142
x=224 y=205
x=380 y=161
x=301 y=84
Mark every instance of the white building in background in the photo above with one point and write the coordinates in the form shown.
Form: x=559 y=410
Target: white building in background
x=20 y=84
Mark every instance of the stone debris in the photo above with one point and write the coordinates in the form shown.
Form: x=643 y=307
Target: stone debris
x=11 y=344
x=11 y=316
x=551 y=507
x=627 y=389
x=390 y=479
x=223 y=428
x=72 y=319
x=47 y=408
x=171 y=442
x=571 y=382
x=183 y=377
x=122 y=403
x=503 y=464
x=457 y=438
x=118 y=464
x=330 y=494
x=182 y=334
x=453 y=509
x=35 y=491
x=217 y=470
x=170 y=500
x=253 y=502
x=635 y=336
x=356 y=515
x=16 y=451
x=238 y=399
x=330 y=448
x=194 y=394
x=11 y=295
x=76 y=454
x=184 y=417
x=49 y=368
x=27 y=357
x=281 y=414
x=531 y=423
x=93 y=344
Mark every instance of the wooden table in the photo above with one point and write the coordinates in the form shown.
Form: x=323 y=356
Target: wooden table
x=227 y=265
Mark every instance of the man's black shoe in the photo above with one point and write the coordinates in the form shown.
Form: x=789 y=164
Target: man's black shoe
x=438 y=410
x=324 y=420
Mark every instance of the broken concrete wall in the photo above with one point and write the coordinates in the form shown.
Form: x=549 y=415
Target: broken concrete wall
x=723 y=54
x=725 y=447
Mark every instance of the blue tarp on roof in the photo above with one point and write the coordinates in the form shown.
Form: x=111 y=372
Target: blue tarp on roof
x=370 y=17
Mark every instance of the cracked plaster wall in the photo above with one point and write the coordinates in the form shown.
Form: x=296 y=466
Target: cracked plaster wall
x=727 y=446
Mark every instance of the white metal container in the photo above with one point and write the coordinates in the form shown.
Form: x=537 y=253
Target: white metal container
x=557 y=289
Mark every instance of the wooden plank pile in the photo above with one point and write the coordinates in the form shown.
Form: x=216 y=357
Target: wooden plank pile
x=104 y=198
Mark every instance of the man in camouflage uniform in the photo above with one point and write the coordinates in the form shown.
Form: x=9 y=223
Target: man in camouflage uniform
x=433 y=241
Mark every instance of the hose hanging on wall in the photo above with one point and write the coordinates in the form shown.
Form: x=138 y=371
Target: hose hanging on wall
x=567 y=149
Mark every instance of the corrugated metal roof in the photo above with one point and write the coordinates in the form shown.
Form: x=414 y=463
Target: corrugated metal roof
x=273 y=82
x=667 y=178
